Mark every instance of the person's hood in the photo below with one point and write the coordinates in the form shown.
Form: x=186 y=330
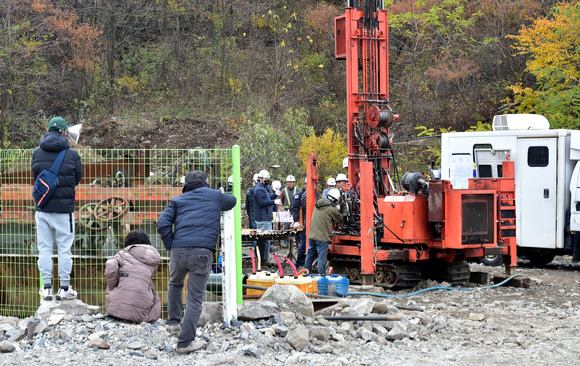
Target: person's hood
x=194 y=184
x=323 y=203
x=54 y=141
x=144 y=253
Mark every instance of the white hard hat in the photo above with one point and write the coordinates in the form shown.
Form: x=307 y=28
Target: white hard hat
x=345 y=163
x=341 y=177
x=290 y=178
x=331 y=182
x=333 y=195
x=305 y=180
x=256 y=176
x=276 y=185
x=264 y=174
x=231 y=179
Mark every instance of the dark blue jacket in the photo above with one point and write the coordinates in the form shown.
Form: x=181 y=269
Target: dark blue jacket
x=299 y=204
x=69 y=175
x=192 y=219
x=263 y=203
x=250 y=202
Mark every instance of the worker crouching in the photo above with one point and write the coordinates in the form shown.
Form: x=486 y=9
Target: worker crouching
x=325 y=215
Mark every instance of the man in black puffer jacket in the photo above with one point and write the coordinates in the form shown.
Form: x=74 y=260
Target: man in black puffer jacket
x=55 y=221
x=189 y=227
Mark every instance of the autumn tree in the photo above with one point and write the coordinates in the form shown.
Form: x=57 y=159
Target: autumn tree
x=39 y=44
x=331 y=149
x=554 y=60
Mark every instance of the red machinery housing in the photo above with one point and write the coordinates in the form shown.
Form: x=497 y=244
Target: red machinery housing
x=394 y=237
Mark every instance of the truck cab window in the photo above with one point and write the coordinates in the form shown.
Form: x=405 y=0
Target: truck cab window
x=538 y=156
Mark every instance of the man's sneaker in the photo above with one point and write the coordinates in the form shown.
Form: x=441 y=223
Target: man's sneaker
x=66 y=295
x=46 y=293
x=193 y=346
x=173 y=329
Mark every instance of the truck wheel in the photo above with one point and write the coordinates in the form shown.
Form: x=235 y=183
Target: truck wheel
x=540 y=259
x=491 y=260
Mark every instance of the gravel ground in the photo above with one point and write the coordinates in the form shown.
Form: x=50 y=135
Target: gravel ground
x=539 y=325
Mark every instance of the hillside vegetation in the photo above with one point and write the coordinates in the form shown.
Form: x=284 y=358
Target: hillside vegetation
x=262 y=73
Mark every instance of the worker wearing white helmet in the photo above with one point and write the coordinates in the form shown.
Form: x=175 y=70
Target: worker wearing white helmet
x=325 y=215
x=250 y=201
x=331 y=183
x=264 y=202
x=289 y=192
x=341 y=181
x=230 y=187
x=345 y=163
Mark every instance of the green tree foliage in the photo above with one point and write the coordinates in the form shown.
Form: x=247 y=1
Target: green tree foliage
x=224 y=60
x=331 y=149
x=264 y=145
x=450 y=61
x=552 y=43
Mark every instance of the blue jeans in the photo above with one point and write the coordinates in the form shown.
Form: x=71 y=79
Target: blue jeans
x=197 y=263
x=301 y=240
x=264 y=245
x=315 y=248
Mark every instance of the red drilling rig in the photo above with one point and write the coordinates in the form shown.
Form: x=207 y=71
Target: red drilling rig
x=396 y=234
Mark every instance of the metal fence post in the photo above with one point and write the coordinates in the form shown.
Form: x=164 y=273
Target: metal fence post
x=238 y=220
x=229 y=291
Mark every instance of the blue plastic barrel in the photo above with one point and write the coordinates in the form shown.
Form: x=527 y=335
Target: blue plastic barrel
x=322 y=283
x=337 y=285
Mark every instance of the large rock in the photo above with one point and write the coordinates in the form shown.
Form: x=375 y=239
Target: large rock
x=397 y=334
x=34 y=325
x=6 y=347
x=9 y=321
x=252 y=310
x=70 y=307
x=56 y=316
x=289 y=298
x=360 y=307
x=320 y=333
x=211 y=312
x=297 y=337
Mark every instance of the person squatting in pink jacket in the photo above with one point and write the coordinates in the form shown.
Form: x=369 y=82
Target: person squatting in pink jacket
x=130 y=292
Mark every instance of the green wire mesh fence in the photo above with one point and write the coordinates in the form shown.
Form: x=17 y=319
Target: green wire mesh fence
x=121 y=190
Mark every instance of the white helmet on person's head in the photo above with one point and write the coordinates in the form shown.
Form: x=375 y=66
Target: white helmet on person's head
x=290 y=178
x=256 y=176
x=276 y=185
x=231 y=180
x=331 y=182
x=305 y=180
x=333 y=195
x=345 y=162
x=264 y=174
x=341 y=178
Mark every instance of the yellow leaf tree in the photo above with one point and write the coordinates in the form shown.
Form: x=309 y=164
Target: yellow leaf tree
x=331 y=149
x=552 y=45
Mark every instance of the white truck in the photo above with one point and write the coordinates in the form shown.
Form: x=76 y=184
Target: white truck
x=547 y=179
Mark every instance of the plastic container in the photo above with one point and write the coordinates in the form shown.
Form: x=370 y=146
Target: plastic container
x=322 y=283
x=337 y=285
x=305 y=284
x=262 y=278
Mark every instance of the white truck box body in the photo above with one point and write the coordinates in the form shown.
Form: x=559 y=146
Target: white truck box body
x=543 y=176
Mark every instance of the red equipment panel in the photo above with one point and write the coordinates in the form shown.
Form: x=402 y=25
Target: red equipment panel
x=406 y=218
x=471 y=222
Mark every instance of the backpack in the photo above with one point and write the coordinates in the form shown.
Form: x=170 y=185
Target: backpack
x=46 y=182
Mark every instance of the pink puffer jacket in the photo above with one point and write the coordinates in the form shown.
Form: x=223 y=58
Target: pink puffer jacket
x=131 y=294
